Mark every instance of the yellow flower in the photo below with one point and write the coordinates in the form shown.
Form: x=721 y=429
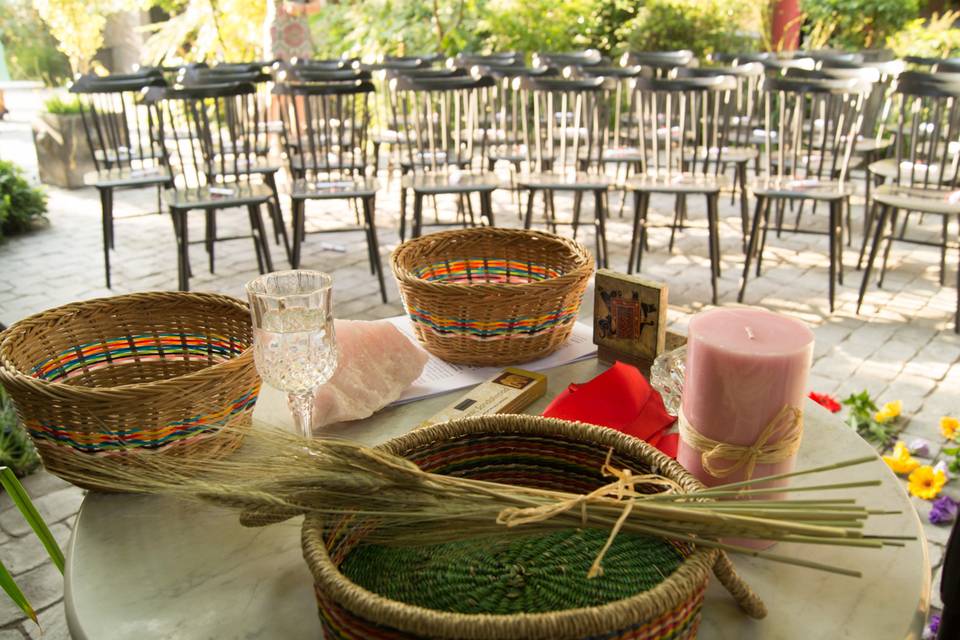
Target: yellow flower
x=926 y=483
x=900 y=461
x=888 y=412
x=949 y=426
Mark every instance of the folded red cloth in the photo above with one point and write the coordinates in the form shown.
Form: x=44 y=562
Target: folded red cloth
x=622 y=399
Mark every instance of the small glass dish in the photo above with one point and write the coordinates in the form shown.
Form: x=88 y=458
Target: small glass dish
x=666 y=376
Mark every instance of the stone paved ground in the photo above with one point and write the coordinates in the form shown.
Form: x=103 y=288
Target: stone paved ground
x=901 y=347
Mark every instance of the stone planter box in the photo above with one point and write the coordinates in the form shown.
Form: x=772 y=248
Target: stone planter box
x=63 y=155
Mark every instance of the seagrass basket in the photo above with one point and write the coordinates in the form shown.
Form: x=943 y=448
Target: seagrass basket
x=532 y=587
x=119 y=378
x=489 y=296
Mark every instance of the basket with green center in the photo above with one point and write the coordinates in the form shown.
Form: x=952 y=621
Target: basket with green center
x=517 y=586
x=490 y=296
x=167 y=374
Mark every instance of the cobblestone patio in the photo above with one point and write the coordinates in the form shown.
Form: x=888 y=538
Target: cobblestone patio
x=902 y=346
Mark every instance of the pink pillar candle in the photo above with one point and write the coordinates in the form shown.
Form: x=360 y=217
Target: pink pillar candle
x=743 y=366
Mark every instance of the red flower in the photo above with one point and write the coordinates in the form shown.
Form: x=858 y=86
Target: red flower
x=826 y=401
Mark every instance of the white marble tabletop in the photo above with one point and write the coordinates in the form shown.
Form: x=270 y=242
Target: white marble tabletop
x=149 y=567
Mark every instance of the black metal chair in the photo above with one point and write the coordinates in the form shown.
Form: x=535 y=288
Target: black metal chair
x=585 y=58
x=326 y=129
x=222 y=126
x=565 y=124
x=927 y=160
x=262 y=164
x=683 y=126
x=659 y=64
x=810 y=131
x=437 y=121
x=122 y=132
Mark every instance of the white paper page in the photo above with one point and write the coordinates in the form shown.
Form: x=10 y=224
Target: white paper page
x=440 y=376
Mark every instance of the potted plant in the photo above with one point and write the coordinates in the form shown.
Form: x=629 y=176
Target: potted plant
x=63 y=154
x=21 y=205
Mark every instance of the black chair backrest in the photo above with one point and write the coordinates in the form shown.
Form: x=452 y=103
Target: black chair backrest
x=684 y=124
x=214 y=130
x=746 y=99
x=467 y=60
x=122 y=128
x=427 y=73
x=564 y=123
x=587 y=57
x=832 y=55
x=927 y=142
x=660 y=63
x=326 y=128
x=810 y=127
x=440 y=122
x=332 y=64
x=311 y=74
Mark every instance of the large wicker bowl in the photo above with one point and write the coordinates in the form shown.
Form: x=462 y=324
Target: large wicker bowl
x=492 y=297
x=144 y=374
x=532 y=451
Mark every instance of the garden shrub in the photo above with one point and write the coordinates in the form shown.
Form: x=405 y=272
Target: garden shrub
x=703 y=26
x=934 y=38
x=860 y=24
x=58 y=105
x=20 y=204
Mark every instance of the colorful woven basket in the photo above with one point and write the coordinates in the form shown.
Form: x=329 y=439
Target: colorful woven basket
x=133 y=375
x=530 y=587
x=491 y=296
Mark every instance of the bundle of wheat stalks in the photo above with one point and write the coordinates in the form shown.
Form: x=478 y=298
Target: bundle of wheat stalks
x=279 y=475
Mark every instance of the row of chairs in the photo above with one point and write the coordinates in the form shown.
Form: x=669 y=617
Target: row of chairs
x=558 y=126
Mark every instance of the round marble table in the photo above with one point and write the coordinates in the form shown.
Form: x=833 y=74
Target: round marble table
x=149 y=567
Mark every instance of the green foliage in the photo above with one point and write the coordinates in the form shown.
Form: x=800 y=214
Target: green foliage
x=58 y=105
x=933 y=38
x=860 y=416
x=16 y=449
x=860 y=24
x=609 y=24
x=29 y=512
x=20 y=204
x=703 y=26
x=536 y=25
x=31 y=51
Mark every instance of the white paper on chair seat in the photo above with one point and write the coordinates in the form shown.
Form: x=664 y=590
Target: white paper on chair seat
x=440 y=376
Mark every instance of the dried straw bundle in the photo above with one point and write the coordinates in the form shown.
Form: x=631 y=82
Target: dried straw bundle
x=279 y=475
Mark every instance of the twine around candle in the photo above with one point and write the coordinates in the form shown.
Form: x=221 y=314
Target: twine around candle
x=779 y=441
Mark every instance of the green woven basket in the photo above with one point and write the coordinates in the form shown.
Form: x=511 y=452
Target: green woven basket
x=516 y=587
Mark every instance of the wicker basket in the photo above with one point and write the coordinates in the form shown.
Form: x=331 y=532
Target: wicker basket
x=532 y=451
x=133 y=375
x=491 y=296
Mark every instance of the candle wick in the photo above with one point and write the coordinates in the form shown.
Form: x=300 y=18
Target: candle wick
x=749 y=332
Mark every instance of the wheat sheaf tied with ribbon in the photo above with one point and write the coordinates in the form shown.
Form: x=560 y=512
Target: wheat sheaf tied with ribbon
x=278 y=475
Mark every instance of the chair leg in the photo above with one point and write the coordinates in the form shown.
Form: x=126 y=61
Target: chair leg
x=834 y=223
x=848 y=222
x=943 y=251
x=601 y=216
x=714 y=245
x=751 y=246
x=403 y=211
x=528 y=221
x=635 y=245
x=886 y=249
x=298 y=224
x=870 y=214
x=259 y=238
x=180 y=231
x=577 y=201
x=469 y=203
x=369 y=211
x=417 y=214
x=551 y=203
x=677 y=220
x=744 y=206
x=763 y=233
x=210 y=235
x=106 y=213
x=626 y=176
x=881 y=224
x=486 y=208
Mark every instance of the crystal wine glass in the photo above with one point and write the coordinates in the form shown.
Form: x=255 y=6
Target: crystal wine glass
x=293 y=341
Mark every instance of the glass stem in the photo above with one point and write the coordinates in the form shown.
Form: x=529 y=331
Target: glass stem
x=302 y=404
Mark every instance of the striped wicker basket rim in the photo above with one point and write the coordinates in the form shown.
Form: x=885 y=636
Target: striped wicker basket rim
x=403 y=256
x=684 y=584
x=126 y=391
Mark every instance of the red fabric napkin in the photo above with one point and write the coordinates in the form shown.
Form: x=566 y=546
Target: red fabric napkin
x=622 y=399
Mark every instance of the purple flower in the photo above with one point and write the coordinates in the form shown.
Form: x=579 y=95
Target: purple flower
x=919 y=447
x=943 y=511
x=932 y=628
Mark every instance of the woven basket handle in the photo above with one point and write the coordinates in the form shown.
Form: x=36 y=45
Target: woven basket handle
x=746 y=599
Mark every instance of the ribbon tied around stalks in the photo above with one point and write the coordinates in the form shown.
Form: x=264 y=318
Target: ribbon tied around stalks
x=623 y=487
x=778 y=441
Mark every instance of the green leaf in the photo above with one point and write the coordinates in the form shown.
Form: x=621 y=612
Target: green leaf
x=12 y=590
x=20 y=498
